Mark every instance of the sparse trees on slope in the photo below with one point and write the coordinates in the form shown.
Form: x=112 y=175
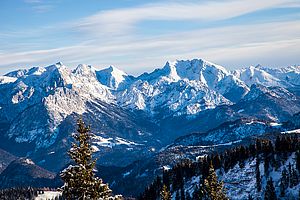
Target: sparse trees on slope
x=79 y=179
x=285 y=144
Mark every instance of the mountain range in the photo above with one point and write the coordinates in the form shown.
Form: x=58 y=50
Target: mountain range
x=136 y=117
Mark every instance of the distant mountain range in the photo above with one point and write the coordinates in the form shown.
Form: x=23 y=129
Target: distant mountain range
x=134 y=117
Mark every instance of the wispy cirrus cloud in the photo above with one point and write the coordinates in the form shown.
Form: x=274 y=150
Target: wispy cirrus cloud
x=122 y=21
x=233 y=45
x=113 y=37
x=40 y=6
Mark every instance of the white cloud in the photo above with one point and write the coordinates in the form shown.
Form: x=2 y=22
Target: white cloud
x=39 y=6
x=123 y=21
x=236 y=45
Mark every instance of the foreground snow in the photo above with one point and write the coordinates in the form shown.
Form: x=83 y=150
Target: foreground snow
x=48 y=195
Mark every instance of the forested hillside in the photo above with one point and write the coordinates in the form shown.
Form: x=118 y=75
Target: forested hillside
x=264 y=170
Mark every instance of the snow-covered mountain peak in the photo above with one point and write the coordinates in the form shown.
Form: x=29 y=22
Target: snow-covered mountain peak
x=192 y=70
x=118 y=74
x=84 y=70
x=200 y=70
x=113 y=78
x=170 y=72
x=257 y=75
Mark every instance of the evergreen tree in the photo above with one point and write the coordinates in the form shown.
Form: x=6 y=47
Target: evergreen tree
x=182 y=194
x=290 y=175
x=295 y=179
x=258 y=146
x=285 y=178
x=214 y=189
x=284 y=182
x=165 y=193
x=270 y=191
x=177 y=197
x=79 y=180
x=266 y=164
x=257 y=172
x=298 y=161
x=166 y=178
x=282 y=188
x=196 y=194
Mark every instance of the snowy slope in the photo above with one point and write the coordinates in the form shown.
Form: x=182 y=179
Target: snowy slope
x=240 y=182
x=284 y=77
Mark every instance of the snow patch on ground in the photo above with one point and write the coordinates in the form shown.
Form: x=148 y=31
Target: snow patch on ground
x=7 y=79
x=291 y=131
x=127 y=173
x=28 y=161
x=111 y=142
x=48 y=195
x=223 y=144
x=275 y=124
x=242 y=110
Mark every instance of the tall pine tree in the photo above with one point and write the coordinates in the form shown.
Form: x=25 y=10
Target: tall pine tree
x=213 y=188
x=80 y=182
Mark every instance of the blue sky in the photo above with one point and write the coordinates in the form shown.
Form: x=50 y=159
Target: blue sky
x=139 y=35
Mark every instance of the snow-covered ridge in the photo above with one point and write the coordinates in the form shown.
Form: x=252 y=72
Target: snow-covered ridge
x=284 y=77
x=6 y=79
x=183 y=87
